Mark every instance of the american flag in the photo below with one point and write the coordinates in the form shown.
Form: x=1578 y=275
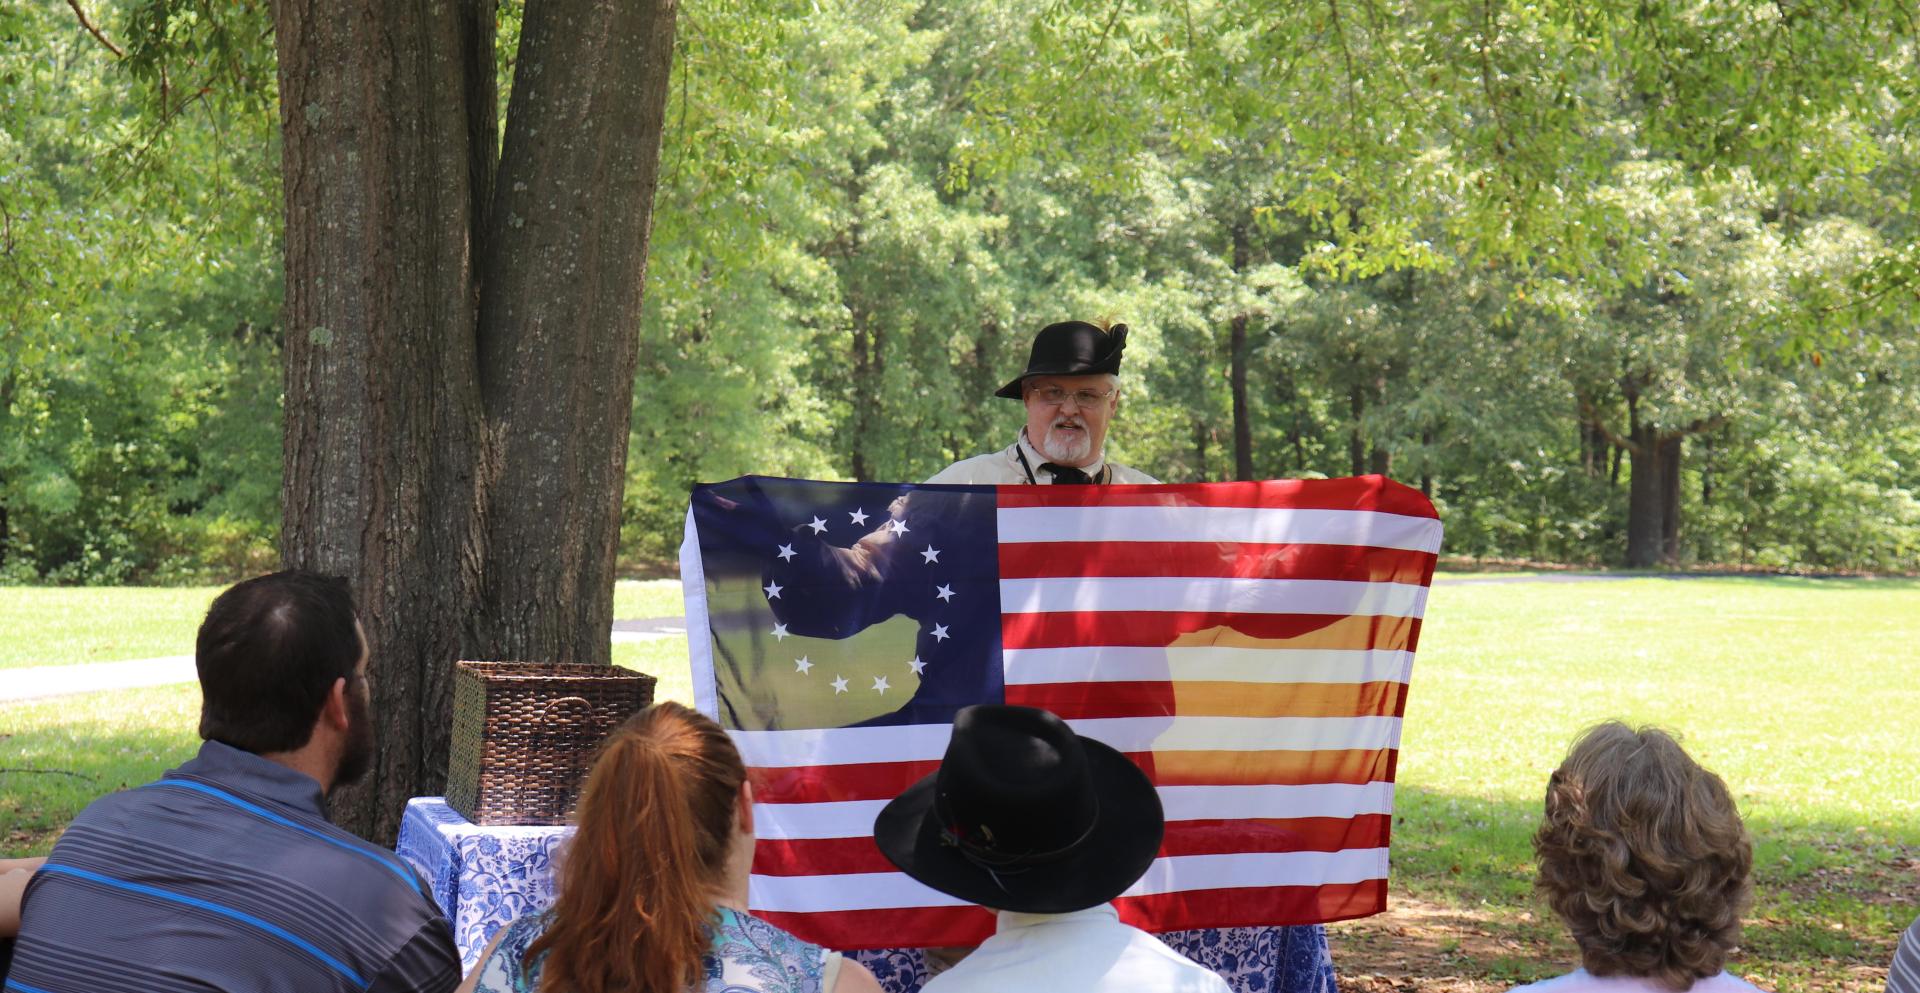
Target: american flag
x=1247 y=644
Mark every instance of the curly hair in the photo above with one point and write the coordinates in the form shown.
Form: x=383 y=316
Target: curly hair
x=1643 y=856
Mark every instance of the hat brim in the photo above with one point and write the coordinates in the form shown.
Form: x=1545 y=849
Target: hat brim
x=1119 y=850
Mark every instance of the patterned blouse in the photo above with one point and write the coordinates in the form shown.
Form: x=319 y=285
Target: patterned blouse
x=748 y=956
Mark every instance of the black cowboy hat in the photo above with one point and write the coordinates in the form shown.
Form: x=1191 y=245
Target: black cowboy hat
x=1070 y=348
x=1025 y=815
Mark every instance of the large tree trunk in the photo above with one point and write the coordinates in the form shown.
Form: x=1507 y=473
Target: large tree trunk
x=1356 y=439
x=1670 y=447
x=1649 y=529
x=459 y=358
x=1237 y=371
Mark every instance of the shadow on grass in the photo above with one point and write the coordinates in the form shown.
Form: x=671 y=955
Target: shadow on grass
x=58 y=756
x=1831 y=896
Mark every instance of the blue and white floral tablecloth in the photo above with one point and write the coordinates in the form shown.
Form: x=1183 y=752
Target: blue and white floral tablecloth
x=485 y=877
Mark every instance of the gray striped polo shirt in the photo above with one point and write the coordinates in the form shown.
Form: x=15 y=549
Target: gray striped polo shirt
x=226 y=875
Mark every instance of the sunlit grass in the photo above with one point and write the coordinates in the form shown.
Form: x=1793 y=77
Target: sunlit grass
x=69 y=625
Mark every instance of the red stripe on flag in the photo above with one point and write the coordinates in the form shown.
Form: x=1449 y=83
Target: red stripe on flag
x=911 y=927
x=833 y=856
x=834 y=783
x=1167 y=628
x=1254 y=906
x=907 y=927
x=885 y=780
x=1374 y=493
x=1078 y=701
x=1230 y=560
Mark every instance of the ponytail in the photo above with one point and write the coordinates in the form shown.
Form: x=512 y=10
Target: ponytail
x=638 y=878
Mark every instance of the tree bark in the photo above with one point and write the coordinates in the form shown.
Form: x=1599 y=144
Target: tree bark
x=1356 y=441
x=867 y=369
x=459 y=352
x=1237 y=371
x=1646 y=499
x=1670 y=447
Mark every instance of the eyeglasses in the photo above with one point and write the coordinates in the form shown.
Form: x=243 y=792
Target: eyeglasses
x=1054 y=396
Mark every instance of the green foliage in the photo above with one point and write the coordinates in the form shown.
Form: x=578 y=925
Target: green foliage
x=139 y=394
x=1460 y=240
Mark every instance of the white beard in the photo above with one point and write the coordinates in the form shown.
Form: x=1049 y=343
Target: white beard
x=1066 y=448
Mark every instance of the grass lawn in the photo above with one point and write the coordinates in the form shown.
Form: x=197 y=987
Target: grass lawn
x=69 y=625
x=1799 y=692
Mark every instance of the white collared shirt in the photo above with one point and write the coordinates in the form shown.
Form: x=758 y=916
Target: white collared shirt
x=1004 y=468
x=1087 y=951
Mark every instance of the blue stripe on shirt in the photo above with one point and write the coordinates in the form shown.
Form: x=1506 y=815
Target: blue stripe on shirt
x=277 y=931
x=260 y=811
x=23 y=987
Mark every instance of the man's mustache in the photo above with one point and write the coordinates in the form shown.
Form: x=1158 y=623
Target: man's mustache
x=1066 y=422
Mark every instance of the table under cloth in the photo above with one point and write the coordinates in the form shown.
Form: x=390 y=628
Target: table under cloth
x=485 y=876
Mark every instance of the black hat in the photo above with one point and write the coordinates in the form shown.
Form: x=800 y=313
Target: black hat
x=1025 y=815
x=1070 y=348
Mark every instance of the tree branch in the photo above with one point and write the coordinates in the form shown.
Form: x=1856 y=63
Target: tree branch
x=82 y=15
x=1591 y=414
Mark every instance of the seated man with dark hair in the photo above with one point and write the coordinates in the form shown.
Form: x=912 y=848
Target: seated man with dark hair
x=225 y=873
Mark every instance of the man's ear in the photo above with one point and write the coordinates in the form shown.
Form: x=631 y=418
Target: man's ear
x=334 y=712
x=743 y=807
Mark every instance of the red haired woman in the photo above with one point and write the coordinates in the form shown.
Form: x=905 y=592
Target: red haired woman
x=1643 y=857
x=653 y=886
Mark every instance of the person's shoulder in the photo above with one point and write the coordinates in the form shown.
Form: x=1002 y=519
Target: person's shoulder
x=1127 y=474
x=736 y=933
x=1582 y=981
x=1724 y=982
x=1182 y=973
x=978 y=469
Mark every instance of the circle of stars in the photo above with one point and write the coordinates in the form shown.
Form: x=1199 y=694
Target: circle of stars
x=898 y=528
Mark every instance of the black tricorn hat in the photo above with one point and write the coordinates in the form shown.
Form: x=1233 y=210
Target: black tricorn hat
x=1070 y=348
x=1025 y=815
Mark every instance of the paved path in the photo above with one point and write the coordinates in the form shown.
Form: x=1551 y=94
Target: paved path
x=58 y=680
x=35 y=682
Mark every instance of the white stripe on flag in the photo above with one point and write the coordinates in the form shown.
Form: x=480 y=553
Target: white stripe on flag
x=1205 y=663
x=1236 y=596
x=854 y=818
x=1240 y=734
x=923 y=742
x=896 y=890
x=1242 y=870
x=1277 y=526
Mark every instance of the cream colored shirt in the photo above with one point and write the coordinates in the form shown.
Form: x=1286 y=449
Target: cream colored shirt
x=1087 y=951
x=1003 y=468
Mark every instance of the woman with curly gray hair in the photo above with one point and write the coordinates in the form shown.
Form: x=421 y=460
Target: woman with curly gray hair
x=1643 y=856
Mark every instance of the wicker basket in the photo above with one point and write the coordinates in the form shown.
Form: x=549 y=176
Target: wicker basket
x=524 y=734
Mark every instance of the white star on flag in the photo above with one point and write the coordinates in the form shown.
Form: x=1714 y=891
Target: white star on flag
x=945 y=593
x=802 y=665
x=898 y=526
x=880 y=684
x=787 y=552
x=773 y=591
x=859 y=516
x=940 y=632
x=779 y=632
x=817 y=525
x=917 y=666
x=839 y=684
x=932 y=555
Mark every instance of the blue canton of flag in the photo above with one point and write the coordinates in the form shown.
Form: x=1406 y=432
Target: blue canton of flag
x=841 y=604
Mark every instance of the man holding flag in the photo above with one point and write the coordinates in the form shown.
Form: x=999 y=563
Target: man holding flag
x=1248 y=645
